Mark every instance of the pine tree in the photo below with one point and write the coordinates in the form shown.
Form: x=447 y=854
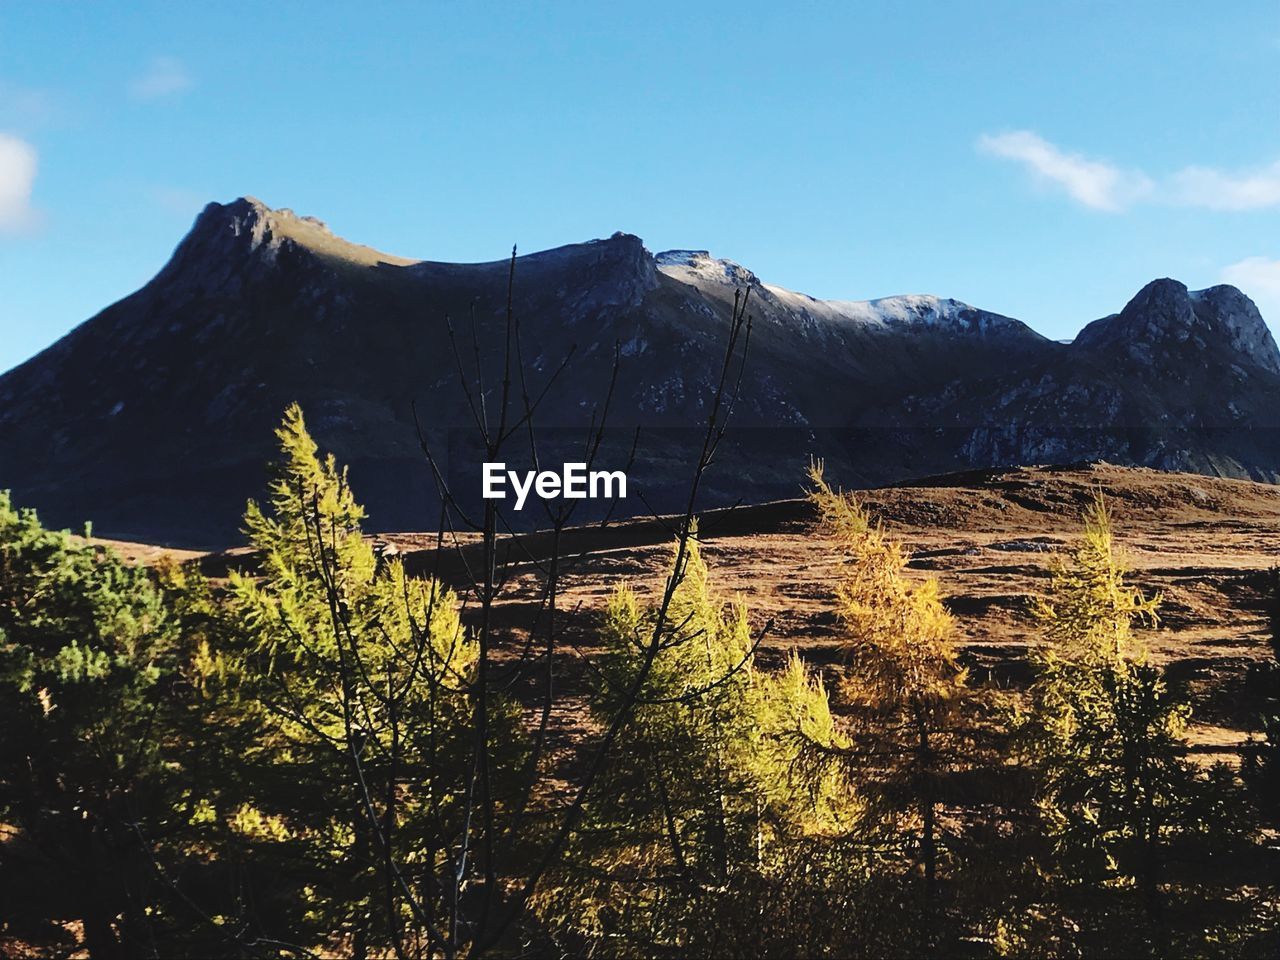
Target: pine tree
x=89 y=662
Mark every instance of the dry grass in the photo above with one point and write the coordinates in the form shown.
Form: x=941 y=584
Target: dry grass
x=989 y=537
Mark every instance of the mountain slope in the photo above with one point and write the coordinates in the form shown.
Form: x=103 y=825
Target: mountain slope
x=154 y=418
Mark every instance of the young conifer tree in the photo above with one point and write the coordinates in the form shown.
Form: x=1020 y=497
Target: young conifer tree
x=1103 y=732
x=705 y=787
x=360 y=679
x=904 y=678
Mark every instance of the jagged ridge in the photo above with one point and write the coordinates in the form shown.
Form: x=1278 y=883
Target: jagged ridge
x=154 y=418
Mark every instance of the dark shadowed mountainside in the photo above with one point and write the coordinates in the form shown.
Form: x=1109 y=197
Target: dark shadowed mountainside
x=154 y=418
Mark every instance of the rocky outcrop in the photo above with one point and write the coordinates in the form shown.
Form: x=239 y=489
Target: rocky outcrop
x=1168 y=324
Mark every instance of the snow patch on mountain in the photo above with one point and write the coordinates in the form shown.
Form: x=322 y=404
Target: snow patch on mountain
x=698 y=267
x=920 y=311
x=911 y=311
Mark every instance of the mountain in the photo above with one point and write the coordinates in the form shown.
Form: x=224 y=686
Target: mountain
x=154 y=418
x=1178 y=380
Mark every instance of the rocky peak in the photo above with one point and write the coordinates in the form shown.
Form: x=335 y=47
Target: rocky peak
x=699 y=266
x=617 y=270
x=231 y=243
x=1165 y=316
x=223 y=239
x=620 y=270
x=626 y=254
x=1239 y=319
x=632 y=264
x=250 y=222
x=1161 y=310
x=1163 y=304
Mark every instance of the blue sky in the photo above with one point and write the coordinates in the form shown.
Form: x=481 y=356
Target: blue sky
x=1041 y=160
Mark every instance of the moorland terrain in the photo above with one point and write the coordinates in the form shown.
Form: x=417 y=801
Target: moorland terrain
x=1205 y=545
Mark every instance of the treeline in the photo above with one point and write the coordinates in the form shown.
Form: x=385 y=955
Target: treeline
x=330 y=757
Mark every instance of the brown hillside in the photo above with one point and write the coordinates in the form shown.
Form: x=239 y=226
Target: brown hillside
x=990 y=537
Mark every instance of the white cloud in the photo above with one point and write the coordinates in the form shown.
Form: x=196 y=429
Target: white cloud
x=1094 y=183
x=1260 y=279
x=165 y=77
x=1104 y=186
x=1218 y=190
x=17 y=177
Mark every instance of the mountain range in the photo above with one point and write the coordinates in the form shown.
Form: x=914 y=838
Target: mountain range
x=154 y=418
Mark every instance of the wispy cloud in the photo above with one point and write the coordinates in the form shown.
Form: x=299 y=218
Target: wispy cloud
x=1102 y=185
x=1220 y=190
x=17 y=178
x=164 y=77
x=1260 y=279
x=1094 y=183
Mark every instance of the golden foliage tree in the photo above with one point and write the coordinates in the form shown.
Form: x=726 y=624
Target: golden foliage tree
x=904 y=679
x=708 y=785
x=359 y=679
